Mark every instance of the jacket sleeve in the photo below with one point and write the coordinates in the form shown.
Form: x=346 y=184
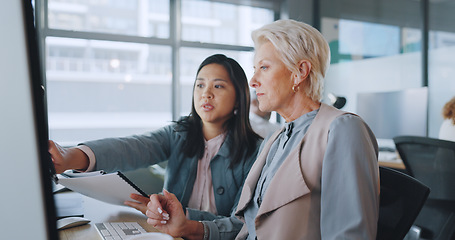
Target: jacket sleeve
x=220 y=227
x=127 y=153
x=349 y=184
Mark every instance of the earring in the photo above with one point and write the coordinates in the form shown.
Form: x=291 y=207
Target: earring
x=236 y=111
x=294 y=88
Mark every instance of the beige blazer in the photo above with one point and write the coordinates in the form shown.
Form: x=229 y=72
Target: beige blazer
x=291 y=208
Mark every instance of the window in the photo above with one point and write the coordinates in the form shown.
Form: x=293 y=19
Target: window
x=101 y=88
x=206 y=21
x=109 y=64
x=140 y=18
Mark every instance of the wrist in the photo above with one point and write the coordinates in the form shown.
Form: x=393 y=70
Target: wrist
x=194 y=230
x=82 y=160
x=206 y=231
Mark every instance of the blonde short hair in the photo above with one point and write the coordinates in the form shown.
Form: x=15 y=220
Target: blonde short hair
x=296 y=41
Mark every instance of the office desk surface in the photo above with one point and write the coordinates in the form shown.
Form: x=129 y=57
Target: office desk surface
x=97 y=212
x=391 y=160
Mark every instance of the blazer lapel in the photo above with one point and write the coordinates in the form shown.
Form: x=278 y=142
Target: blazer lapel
x=287 y=185
x=289 y=182
x=254 y=174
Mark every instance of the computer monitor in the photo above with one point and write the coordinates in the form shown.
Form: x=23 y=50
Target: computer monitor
x=395 y=113
x=27 y=203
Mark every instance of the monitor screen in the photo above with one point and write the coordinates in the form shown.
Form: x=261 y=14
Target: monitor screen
x=27 y=203
x=391 y=114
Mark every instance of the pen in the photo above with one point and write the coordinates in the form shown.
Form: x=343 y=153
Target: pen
x=75 y=174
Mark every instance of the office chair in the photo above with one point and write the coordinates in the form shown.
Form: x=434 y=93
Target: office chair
x=401 y=199
x=337 y=101
x=432 y=161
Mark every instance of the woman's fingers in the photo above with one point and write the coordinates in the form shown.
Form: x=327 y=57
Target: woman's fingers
x=165 y=213
x=55 y=151
x=173 y=206
x=153 y=215
x=138 y=206
x=155 y=207
x=140 y=198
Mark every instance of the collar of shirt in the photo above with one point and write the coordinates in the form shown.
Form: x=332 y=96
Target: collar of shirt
x=296 y=126
x=288 y=139
x=213 y=145
x=202 y=197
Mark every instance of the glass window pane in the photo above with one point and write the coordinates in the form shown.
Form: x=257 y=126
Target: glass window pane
x=101 y=89
x=191 y=58
x=411 y=40
x=370 y=57
x=147 y=18
x=213 y=22
x=441 y=74
x=361 y=40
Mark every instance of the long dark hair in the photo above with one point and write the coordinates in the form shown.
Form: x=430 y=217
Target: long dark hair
x=244 y=139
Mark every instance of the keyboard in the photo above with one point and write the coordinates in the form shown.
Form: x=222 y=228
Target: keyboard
x=118 y=230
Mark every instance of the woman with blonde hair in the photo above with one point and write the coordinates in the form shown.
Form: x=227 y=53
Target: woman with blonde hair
x=318 y=178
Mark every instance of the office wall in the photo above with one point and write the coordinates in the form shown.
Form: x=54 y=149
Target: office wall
x=383 y=74
x=396 y=73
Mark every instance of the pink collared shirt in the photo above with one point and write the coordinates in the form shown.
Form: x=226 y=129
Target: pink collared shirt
x=203 y=197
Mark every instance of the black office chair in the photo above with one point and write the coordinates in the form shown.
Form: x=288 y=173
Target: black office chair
x=432 y=161
x=401 y=200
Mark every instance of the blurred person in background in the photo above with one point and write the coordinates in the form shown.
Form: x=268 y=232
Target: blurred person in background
x=447 y=130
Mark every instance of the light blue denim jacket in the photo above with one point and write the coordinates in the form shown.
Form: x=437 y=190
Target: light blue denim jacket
x=165 y=144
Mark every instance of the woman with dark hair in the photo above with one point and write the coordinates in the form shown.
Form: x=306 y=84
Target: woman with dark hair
x=238 y=126
x=209 y=152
